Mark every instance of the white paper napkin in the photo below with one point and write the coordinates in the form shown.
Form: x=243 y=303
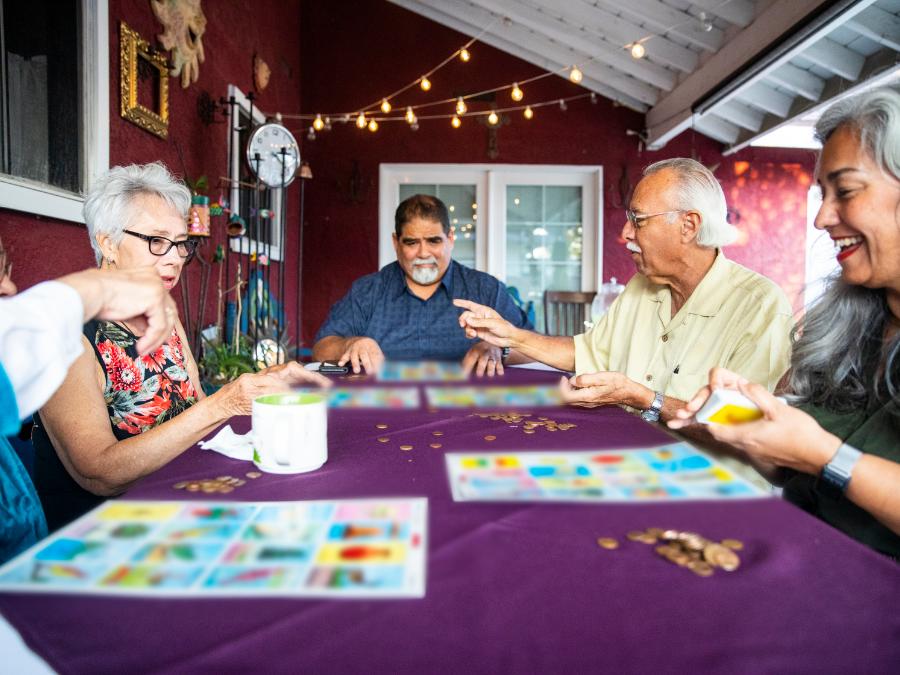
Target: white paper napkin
x=230 y=444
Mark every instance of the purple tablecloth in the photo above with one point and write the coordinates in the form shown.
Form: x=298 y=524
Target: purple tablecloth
x=510 y=588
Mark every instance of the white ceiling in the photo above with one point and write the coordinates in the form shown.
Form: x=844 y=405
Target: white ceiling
x=732 y=69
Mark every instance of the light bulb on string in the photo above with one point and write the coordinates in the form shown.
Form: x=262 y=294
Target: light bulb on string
x=425 y=83
x=327 y=124
x=361 y=121
x=461 y=106
x=562 y=105
x=528 y=112
x=705 y=24
x=311 y=134
x=464 y=55
x=516 y=94
x=385 y=106
x=410 y=115
x=373 y=126
x=575 y=75
x=493 y=119
x=455 y=122
x=318 y=124
x=593 y=98
x=638 y=50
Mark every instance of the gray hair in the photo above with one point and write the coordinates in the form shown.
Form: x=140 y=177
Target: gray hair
x=836 y=359
x=698 y=190
x=875 y=116
x=108 y=204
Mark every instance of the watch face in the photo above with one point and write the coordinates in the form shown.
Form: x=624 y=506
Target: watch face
x=273 y=155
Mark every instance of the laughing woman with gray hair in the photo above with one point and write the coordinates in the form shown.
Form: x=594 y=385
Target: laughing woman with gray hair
x=121 y=414
x=836 y=447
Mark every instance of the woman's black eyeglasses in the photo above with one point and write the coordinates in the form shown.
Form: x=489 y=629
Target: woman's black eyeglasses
x=162 y=245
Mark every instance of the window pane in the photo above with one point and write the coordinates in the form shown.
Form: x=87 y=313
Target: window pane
x=524 y=204
x=543 y=241
x=40 y=90
x=463 y=211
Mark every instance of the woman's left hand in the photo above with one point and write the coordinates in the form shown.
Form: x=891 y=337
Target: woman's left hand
x=785 y=436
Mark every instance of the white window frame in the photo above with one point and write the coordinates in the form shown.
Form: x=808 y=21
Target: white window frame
x=244 y=244
x=30 y=196
x=490 y=182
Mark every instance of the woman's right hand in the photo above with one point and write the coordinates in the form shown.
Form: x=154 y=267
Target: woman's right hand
x=236 y=398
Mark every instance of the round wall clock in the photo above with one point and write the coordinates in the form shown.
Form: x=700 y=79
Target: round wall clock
x=273 y=154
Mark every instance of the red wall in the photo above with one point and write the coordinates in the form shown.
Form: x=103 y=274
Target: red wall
x=353 y=53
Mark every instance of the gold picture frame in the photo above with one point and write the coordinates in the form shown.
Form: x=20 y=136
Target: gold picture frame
x=133 y=49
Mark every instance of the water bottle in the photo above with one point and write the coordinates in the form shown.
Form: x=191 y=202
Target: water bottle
x=604 y=298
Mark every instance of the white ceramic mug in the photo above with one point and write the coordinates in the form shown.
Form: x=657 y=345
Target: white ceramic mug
x=290 y=432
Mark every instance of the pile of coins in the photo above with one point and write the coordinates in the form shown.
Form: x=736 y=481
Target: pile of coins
x=221 y=485
x=528 y=426
x=686 y=549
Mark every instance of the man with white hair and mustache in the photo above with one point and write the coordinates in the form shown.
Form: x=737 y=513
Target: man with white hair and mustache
x=405 y=311
x=687 y=310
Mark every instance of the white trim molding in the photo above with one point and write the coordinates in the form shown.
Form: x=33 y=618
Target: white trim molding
x=30 y=196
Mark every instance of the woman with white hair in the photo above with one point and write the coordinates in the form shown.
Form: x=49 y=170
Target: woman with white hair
x=836 y=447
x=120 y=414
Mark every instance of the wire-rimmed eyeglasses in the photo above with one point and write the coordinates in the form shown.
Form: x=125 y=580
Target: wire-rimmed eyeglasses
x=161 y=245
x=636 y=220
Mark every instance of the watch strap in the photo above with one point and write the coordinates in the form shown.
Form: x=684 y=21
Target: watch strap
x=651 y=414
x=836 y=474
x=504 y=355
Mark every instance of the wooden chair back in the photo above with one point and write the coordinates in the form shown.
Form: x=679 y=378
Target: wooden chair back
x=566 y=311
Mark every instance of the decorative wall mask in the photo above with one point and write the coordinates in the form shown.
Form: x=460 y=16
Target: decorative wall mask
x=137 y=58
x=185 y=25
x=261 y=73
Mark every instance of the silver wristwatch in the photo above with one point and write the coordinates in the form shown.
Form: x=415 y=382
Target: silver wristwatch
x=837 y=473
x=651 y=414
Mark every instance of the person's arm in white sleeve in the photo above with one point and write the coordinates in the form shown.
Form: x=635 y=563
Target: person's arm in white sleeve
x=40 y=337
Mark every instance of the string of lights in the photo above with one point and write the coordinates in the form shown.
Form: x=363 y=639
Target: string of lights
x=368 y=117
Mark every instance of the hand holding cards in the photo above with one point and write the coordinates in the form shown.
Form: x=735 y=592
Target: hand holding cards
x=727 y=406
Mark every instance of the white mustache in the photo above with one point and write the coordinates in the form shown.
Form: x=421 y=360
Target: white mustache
x=634 y=248
x=425 y=261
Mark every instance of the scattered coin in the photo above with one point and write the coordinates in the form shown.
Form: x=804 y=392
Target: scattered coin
x=608 y=543
x=406 y=447
x=490 y=438
x=253 y=474
x=180 y=486
x=720 y=556
x=437 y=433
x=383 y=439
x=733 y=544
x=381 y=426
x=435 y=445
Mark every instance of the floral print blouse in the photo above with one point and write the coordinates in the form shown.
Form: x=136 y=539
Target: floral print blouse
x=141 y=391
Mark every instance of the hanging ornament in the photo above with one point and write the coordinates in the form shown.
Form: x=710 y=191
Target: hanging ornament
x=464 y=55
x=493 y=119
x=410 y=115
x=318 y=124
x=385 y=106
x=575 y=75
x=373 y=126
x=455 y=122
x=361 y=121
x=425 y=83
x=516 y=94
x=637 y=50
x=528 y=112
x=461 y=106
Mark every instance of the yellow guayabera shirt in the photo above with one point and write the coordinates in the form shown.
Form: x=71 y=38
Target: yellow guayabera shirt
x=735 y=318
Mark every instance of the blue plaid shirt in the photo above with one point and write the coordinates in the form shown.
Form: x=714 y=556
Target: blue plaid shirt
x=381 y=306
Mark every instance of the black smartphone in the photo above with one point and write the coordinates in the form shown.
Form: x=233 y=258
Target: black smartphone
x=333 y=369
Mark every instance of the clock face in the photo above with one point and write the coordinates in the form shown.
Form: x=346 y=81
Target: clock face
x=273 y=155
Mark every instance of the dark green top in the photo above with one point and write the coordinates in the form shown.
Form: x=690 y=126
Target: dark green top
x=876 y=432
